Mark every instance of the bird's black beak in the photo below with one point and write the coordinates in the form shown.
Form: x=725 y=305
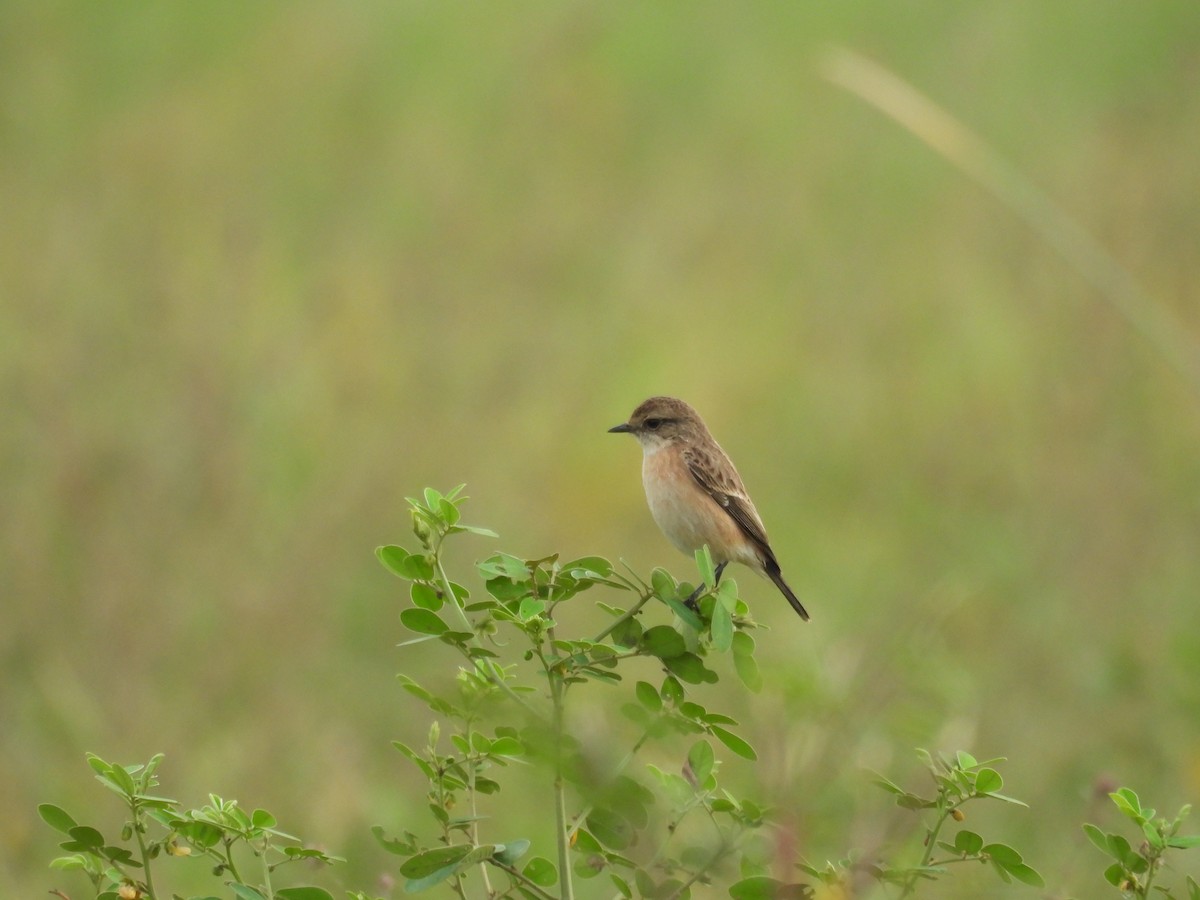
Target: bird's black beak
x=623 y=428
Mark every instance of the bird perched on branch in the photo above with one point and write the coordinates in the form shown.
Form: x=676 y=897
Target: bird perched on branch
x=696 y=495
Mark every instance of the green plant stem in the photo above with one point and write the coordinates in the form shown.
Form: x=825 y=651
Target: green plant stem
x=560 y=795
x=934 y=863
x=471 y=764
x=228 y=860
x=138 y=827
x=726 y=846
x=457 y=880
x=720 y=854
x=517 y=875
x=452 y=599
x=1152 y=860
x=622 y=619
x=930 y=846
x=266 y=871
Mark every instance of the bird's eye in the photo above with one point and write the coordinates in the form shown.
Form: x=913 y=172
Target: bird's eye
x=653 y=424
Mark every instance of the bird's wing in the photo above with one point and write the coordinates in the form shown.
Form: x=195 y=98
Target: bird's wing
x=717 y=477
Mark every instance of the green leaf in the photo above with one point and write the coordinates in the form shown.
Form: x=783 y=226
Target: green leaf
x=476 y=855
x=510 y=851
x=628 y=633
x=447 y=511
x=202 y=834
x=1026 y=875
x=507 y=746
x=260 y=818
x=733 y=742
x=1096 y=836
x=727 y=594
x=475 y=529
x=425 y=596
x=116 y=778
x=704 y=562
x=686 y=614
x=585 y=843
x=303 y=893
x=1153 y=835
x=1127 y=801
x=417 y=759
x=83 y=837
x=68 y=863
x=1002 y=854
x=690 y=669
x=56 y=817
x=416 y=885
x=887 y=784
x=530 y=608
x=760 y=887
x=701 y=760
x=1114 y=874
x=403 y=564
x=744 y=662
x=505 y=590
x=589 y=567
x=664 y=642
x=504 y=565
x=423 y=621
x=393 y=559
x=541 y=872
x=435 y=861
x=120 y=856
x=648 y=696
x=1119 y=849
x=245 y=892
x=722 y=627
x=672 y=690
x=610 y=828
x=662 y=583
x=968 y=843
x=621 y=885
x=1184 y=841
x=965 y=760
x=987 y=781
x=1013 y=800
x=310 y=853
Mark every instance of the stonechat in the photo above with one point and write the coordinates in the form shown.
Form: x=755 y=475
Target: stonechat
x=696 y=495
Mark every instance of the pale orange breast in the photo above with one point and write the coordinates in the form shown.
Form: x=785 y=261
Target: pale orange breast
x=687 y=515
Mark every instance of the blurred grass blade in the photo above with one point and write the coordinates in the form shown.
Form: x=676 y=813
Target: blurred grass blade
x=951 y=139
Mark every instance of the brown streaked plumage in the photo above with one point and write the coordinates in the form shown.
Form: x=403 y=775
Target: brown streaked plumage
x=696 y=495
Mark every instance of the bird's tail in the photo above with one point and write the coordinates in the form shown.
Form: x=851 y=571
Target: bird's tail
x=772 y=569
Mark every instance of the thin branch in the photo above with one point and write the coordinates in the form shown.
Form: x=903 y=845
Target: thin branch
x=517 y=875
x=625 y=617
x=471 y=763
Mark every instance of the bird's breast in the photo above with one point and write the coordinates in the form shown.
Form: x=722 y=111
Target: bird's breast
x=688 y=516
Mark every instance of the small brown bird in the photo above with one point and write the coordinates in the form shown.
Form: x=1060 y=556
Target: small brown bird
x=696 y=495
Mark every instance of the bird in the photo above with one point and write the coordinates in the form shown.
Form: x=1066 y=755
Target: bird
x=695 y=493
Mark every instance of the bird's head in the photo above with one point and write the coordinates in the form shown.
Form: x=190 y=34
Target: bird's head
x=660 y=421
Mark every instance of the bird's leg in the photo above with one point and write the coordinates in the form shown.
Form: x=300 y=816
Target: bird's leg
x=690 y=602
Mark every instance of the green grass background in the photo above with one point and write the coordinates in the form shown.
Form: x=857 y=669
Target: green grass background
x=266 y=268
